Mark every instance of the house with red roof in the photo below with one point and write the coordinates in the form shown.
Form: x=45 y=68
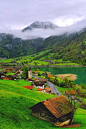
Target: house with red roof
x=5 y=78
x=28 y=87
x=49 y=76
x=57 y=110
x=39 y=89
x=48 y=90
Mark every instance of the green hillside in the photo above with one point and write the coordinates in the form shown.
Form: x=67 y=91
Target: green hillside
x=11 y=46
x=67 y=47
x=14 y=103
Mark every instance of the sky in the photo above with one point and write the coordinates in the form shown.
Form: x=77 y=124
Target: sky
x=69 y=15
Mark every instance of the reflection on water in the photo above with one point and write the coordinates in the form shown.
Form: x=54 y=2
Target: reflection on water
x=80 y=71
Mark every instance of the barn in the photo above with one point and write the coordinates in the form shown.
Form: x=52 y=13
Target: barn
x=56 y=110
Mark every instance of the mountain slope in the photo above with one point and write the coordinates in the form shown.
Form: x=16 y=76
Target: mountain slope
x=14 y=103
x=68 y=47
x=11 y=46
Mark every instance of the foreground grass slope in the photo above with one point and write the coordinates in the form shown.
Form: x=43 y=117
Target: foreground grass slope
x=14 y=103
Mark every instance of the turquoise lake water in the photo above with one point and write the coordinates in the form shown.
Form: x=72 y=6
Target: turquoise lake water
x=80 y=71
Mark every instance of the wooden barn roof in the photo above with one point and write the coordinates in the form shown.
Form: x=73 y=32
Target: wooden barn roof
x=58 y=106
x=42 y=79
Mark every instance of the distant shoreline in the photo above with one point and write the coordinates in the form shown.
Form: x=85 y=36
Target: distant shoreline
x=56 y=66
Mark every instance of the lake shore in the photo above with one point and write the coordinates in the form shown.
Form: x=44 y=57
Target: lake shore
x=56 y=66
x=69 y=76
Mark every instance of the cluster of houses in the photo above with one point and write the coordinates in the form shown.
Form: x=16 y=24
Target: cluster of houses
x=10 y=77
x=38 y=83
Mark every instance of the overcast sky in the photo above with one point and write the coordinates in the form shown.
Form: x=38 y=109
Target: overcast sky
x=17 y=14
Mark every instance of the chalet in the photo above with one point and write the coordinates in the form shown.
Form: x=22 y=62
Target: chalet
x=11 y=77
x=48 y=90
x=39 y=83
x=2 y=75
x=44 y=80
x=18 y=73
x=57 y=110
x=36 y=72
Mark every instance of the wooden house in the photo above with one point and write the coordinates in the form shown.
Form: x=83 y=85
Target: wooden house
x=2 y=75
x=39 y=83
x=48 y=90
x=36 y=72
x=57 y=110
x=11 y=77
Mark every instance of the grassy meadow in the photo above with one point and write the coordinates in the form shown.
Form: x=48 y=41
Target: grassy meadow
x=38 y=59
x=15 y=101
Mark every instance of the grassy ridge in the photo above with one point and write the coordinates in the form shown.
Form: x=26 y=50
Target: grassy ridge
x=14 y=103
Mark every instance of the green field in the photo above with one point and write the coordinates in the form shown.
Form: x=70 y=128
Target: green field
x=15 y=101
x=37 y=59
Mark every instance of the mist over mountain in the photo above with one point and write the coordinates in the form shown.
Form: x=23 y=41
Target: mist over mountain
x=68 y=43
x=40 y=25
x=11 y=46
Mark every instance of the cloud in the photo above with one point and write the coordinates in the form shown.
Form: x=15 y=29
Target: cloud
x=44 y=33
x=70 y=15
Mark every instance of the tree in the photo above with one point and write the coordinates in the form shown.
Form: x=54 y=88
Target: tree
x=25 y=72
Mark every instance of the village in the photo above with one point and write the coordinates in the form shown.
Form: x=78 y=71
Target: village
x=64 y=104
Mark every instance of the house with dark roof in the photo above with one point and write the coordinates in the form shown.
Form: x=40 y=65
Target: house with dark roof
x=39 y=83
x=57 y=110
x=2 y=75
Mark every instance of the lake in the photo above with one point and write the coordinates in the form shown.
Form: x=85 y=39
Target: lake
x=80 y=71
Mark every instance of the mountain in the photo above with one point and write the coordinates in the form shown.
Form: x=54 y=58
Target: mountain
x=40 y=25
x=66 y=47
x=11 y=46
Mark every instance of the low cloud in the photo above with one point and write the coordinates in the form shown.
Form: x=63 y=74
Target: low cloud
x=44 y=33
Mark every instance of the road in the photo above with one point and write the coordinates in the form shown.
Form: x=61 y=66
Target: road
x=53 y=87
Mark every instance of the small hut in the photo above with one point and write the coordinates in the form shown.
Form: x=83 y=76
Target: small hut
x=57 y=110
